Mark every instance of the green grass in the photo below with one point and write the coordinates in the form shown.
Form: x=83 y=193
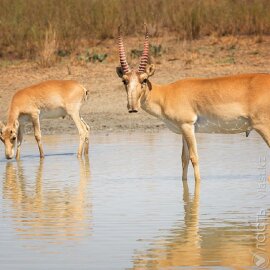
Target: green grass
x=23 y=23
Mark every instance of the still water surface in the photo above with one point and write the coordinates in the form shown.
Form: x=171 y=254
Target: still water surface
x=127 y=208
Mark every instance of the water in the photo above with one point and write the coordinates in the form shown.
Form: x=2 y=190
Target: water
x=127 y=208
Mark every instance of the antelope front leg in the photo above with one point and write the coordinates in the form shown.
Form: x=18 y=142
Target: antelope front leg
x=189 y=136
x=19 y=142
x=36 y=125
x=185 y=159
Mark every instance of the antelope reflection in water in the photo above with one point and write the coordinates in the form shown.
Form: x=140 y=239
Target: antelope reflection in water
x=43 y=210
x=194 y=244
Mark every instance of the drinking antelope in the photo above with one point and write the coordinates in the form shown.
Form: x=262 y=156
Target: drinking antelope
x=49 y=99
x=227 y=105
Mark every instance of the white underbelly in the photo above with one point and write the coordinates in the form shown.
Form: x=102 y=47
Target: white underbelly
x=171 y=126
x=205 y=125
x=238 y=125
x=44 y=114
x=52 y=113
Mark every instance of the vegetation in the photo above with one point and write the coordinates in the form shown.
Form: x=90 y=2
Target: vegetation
x=89 y=56
x=34 y=29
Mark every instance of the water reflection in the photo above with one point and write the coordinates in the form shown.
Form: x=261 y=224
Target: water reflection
x=190 y=243
x=49 y=207
x=132 y=210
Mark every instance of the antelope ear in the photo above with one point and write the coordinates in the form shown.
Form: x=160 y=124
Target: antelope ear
x=150 y=70
x=120 y=72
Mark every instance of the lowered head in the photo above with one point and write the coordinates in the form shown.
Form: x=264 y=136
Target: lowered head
x=8 y=135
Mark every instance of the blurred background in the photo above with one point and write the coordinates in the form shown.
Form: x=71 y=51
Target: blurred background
x=31 y=29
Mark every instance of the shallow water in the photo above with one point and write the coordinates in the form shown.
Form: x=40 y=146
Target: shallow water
x=127 y=208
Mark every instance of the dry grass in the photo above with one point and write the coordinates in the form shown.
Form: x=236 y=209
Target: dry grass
x=47 y=56
x=23 y=23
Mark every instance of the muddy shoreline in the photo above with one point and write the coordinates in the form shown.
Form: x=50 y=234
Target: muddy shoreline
x=106 y=108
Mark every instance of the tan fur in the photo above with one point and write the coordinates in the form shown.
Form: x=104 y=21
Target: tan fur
x=49 y=99
x=229 y=104
x=223 y=98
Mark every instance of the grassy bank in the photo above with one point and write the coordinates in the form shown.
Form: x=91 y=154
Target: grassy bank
x=31 y=28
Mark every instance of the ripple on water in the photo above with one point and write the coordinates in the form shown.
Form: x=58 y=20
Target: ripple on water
x=126 y=206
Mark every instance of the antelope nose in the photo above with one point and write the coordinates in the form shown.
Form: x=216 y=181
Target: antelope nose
x=132 y=111
x=8 y=157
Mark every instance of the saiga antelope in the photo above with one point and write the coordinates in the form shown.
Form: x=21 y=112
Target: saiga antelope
x=49 y=99
x=226 y=105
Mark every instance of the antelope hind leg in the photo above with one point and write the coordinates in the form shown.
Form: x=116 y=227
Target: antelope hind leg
x=86 y=142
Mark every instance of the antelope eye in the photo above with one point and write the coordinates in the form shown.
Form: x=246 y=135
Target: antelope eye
x=125 y=82
x=144 y=81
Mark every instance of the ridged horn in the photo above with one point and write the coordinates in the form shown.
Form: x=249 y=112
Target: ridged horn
x=145 y=54
x=122 y=54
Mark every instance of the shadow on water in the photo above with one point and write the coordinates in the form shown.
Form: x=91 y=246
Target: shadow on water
x=189 y=244
x=54 y=210
x=37 y=157
x=50 y=155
